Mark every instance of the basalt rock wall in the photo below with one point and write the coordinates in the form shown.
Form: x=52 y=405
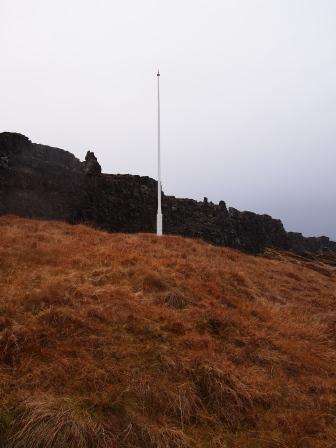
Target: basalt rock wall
x=38 y=181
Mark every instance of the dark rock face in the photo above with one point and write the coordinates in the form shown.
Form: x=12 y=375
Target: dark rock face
x=38 y=181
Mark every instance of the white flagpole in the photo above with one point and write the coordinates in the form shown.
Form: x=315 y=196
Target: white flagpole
x=159 y=211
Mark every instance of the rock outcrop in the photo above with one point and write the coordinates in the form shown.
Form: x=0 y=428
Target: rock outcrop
x=39 y=181
x=91 y=165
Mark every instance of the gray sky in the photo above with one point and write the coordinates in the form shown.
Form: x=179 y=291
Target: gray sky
x=248 y=95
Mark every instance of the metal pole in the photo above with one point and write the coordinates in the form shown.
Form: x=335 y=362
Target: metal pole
x=159 y=211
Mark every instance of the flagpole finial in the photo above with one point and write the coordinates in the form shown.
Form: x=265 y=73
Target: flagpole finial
x=158 y=73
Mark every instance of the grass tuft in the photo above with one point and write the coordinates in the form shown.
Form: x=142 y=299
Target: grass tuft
x=56 y=424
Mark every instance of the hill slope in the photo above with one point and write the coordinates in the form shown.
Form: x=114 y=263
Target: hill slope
x=113 y=340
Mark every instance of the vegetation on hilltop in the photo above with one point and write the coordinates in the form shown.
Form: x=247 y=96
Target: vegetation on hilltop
x=114 y=340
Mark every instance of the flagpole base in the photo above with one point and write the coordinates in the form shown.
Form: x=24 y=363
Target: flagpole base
x=159 y=224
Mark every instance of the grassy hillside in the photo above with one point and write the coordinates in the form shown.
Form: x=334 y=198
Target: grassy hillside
x=113 y=340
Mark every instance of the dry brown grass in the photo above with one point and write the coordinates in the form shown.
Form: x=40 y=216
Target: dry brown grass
x=113 y=340
x=55 y=423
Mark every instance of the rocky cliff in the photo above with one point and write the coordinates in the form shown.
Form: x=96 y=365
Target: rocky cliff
x=38 y=181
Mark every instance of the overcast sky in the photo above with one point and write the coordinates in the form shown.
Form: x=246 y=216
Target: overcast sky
x=248 y=93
